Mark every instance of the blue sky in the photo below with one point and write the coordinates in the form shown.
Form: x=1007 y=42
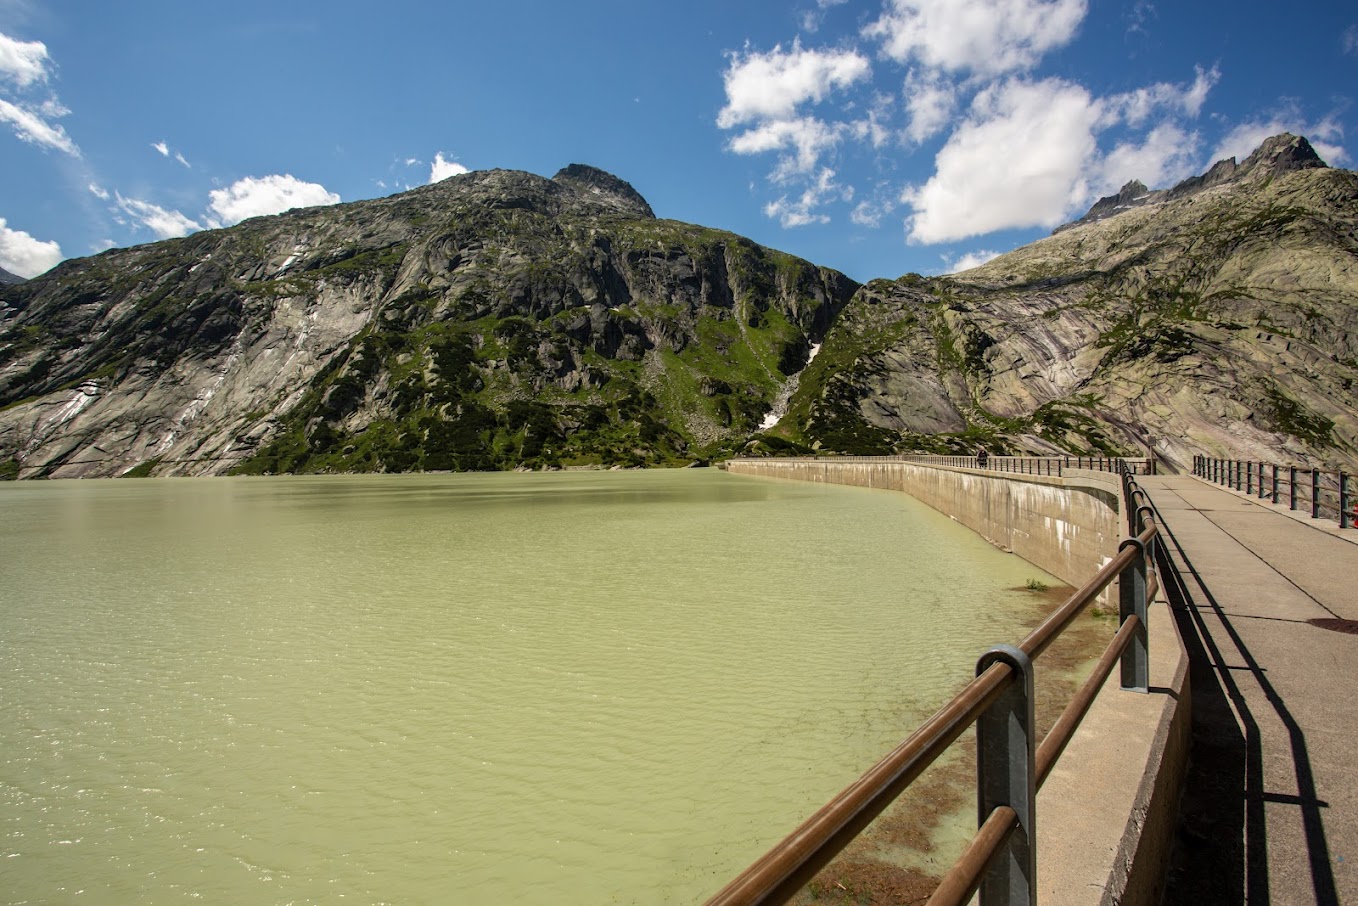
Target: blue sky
x=875 y=136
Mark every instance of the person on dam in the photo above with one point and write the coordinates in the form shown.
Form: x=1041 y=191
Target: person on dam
x=982 y=457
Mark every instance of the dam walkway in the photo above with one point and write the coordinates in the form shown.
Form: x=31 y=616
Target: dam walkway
x=1266 y=604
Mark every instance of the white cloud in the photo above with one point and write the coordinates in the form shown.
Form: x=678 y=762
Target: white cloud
x=164 y=223
x=802 y=211
x=983 y=36
x=33 y=126
x=807 y=138
x=24 y=62
x=98 y=191
x=102 y=245
x=21 y=254
x=968 y=261
x=166 y=151
x=771 y=86
x=870 y=211
x=1324 y=136
x=1137 y=106
x=812 y=18
x=441 y=169
x=255 y=197
x=1349 y=40
x=1019 y=160
x=1168 y=155
x=930 y=102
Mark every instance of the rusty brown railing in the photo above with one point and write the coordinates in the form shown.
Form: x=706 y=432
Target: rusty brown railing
x=1000 y=861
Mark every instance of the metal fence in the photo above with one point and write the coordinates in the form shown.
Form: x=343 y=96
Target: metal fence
x=1022 y=465
x=1001 y=860
x=1325 y=495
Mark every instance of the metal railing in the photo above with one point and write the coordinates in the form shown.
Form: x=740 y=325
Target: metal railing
x=1021 y=465
x=1325 y=495
x=1001 y=860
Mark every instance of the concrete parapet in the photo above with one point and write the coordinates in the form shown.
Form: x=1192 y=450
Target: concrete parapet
x=1068 y=525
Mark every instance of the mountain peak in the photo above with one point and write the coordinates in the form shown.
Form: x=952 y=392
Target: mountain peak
x=1276 y=156
x=7 y=278
x=1280 y=154
x=604 y=187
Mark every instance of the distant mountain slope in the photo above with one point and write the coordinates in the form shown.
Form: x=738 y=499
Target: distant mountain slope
x=1217 y=317
x=502 y=320
x=7 y=278
x=493 y=320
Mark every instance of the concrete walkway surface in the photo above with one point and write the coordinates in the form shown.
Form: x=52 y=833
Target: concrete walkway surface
x=1270 y=809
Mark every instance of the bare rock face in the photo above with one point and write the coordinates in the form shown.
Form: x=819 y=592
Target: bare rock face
x=496 y=319
x=499 y=320
x=7 y=278
x=1219 y=317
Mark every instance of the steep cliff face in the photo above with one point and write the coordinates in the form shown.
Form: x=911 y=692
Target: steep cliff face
x=499 y=319
x=493 y=320
x=1219 y=317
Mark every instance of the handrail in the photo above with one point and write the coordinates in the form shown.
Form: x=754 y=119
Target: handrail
x=1327 y=494
x=791 y=864
x=1021 y=465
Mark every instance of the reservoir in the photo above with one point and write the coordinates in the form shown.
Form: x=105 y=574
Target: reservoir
x=562 y=688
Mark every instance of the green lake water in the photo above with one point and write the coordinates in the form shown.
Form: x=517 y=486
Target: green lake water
x=566 y=688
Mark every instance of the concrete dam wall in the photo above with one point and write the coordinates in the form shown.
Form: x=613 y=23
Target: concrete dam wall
x=1069 y=526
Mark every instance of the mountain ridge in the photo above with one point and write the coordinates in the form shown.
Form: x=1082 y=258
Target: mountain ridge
x=500 y=319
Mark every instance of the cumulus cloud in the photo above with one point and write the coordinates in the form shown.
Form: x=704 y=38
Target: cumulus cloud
x=166 y=224
x=930 y=102
x=32 y=114
x=441 y=169
x=801 y=211
x=1165 y=97
x=33 y=125
x=771 y=86
x=988 y=37
x=255 y=197
x=1168 y=155
x=805 y=139
x=1325 y=136
x=1018 y=160
x=21 y=254
x=23 y=62
x=968 y=261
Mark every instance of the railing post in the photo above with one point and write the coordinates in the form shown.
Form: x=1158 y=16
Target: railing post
x=1344 y=498
x=1132 y=602
x=1315 y=493
x=1291 y=487
x=1006 y=775
x=1274 y=493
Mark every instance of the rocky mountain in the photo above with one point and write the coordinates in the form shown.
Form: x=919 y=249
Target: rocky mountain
x=6 y=277
x=493 y=320
x=1219 y=317
x=502 y=320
